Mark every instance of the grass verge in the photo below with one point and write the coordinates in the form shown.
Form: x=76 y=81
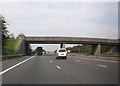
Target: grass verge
x=6 y=58
x=9 y=47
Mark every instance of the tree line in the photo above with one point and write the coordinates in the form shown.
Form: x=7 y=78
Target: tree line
x=4 y=30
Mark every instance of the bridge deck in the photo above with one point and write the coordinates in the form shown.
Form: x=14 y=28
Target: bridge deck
x=70 y=40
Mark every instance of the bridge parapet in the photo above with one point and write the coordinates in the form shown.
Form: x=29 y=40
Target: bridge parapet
x=71 y=40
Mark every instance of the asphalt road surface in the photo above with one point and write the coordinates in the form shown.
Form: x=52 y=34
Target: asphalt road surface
x=47 y=70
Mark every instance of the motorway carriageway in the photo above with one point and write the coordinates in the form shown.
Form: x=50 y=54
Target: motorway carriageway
x=47 y=70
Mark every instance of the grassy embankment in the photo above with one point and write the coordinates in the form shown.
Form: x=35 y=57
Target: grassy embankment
x=111 y=54
x=10 y=47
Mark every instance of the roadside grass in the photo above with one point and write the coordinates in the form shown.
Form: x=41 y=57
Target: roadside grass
x=6 y=58
x=76 y=53
x=111 y=54
x=8 y=48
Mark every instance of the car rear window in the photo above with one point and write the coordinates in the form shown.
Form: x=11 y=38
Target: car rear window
x=62 y=50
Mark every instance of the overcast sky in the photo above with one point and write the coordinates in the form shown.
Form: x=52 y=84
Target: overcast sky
x=74 y=19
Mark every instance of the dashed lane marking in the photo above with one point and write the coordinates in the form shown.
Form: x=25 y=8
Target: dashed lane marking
x=102 y=65
x=58 y=67
x=77 y=60
x=66 y=72
x=50 y=61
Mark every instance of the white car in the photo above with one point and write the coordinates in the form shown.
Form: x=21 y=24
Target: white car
x=61 y=53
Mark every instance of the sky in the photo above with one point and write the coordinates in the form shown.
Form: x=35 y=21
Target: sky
x=71 y=19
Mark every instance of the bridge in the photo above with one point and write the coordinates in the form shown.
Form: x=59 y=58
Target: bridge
x=96 y=42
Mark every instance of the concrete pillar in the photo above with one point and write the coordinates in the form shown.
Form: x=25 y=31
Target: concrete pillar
x=62 y=45
x=96 y=50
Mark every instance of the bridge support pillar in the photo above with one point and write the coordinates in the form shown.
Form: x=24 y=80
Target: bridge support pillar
x=62 y=45
x=96 y=50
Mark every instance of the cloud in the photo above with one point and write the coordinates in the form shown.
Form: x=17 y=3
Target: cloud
x=76 y=19
x=59 y=0
x=62 y=19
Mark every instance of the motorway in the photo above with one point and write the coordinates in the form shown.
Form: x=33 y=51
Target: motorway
x=47 y=70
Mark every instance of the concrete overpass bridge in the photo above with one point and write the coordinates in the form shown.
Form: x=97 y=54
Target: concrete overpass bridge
x=96 y=42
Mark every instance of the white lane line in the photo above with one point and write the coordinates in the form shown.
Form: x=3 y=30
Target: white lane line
x=50 y=61
x=77 y=61
x=102 y=65
x=58 y=67
x=15 y=65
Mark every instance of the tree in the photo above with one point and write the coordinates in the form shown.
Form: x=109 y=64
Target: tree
x=4 y=29
x=12 y=36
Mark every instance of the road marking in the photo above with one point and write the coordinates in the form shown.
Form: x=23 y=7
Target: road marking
x=102 y=65
x=58 y=67
x=66 y=72
x=100 y=60
x=77 y=60
x=50 y=61
x=15 y=65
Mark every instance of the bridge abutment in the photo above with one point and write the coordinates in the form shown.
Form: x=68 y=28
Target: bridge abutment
x=21 y=37
x=25 y=46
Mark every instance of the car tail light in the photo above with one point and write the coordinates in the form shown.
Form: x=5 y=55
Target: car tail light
x=66 y=54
